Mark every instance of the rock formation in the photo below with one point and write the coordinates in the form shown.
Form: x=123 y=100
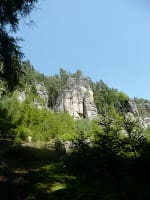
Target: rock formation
x=77 y=99
x=133 y=107
x=142 y=111
x=41 y=98
x=42 y=93
x=21 y=96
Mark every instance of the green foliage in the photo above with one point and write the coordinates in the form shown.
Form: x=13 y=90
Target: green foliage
x=84 y=127
x=88 y=173
x=3 y=87
x=120 y=134
x=29 y=75
x=143 y=106
x=52 y=85
x=10 y=53
x=110 y=120
x=113 y=147
x=147 y=133
x=103 y=95
x=27 y=120
x=77 y=75
x=63 y=81
x=65 y=127
x=109 y=130
x=135 y=135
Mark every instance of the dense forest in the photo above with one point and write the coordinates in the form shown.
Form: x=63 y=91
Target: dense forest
x=47 y=152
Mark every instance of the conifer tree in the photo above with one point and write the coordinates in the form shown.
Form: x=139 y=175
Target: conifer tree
x=11 y=11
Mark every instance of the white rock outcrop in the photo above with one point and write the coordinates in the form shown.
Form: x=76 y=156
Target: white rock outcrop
x=77 y=99
x=133 y=107
x=41 y=93
x=134 y=112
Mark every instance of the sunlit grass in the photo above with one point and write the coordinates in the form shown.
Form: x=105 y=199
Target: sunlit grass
x=58 y=186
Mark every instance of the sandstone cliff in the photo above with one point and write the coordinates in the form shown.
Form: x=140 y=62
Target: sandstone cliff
x=40 y=97
x=141 y=110
x=77 y=99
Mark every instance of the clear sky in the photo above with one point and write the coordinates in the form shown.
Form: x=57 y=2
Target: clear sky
x=107 y=40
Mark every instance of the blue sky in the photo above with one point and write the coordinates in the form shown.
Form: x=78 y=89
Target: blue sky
x=107 y=40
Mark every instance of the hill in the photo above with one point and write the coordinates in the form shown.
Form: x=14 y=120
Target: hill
x=46 y=106
x=66 y=137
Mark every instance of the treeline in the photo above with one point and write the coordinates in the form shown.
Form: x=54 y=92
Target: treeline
x=113 y=164
x=103 y=94
x=21 y=119
x=110 y=155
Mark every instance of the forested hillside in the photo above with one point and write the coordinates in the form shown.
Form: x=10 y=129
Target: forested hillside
x=49 y=153
x=31 y=109
x=65 y=137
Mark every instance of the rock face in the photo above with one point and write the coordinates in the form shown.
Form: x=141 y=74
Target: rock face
x=142 y=111
x=21 y=96
x=77 y=99
x=133 y=107
x=146 y=122
x=41 y=93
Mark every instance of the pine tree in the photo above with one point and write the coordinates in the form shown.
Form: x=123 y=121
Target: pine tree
x=11 y=11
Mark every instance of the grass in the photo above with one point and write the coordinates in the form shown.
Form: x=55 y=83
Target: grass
x=30 y=173
x=33 y=173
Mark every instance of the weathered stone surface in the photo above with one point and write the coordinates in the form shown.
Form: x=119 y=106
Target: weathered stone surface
x=133 y=107
x=68 y=145
x=42 y=92
x=146 y=122
x=77 y=100
x=21 y=96
x=134 y=112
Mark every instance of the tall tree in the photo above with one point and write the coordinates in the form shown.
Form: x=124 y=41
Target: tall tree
x=11 y=11
x=135 y=134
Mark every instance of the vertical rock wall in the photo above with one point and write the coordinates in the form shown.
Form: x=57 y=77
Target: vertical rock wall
x=77 y=99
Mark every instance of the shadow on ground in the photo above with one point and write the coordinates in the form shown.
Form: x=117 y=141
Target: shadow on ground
x=30 y=173
x=25 y=172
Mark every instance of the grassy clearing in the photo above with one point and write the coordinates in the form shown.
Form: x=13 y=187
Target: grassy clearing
x=30 y=173
x=35 y=174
